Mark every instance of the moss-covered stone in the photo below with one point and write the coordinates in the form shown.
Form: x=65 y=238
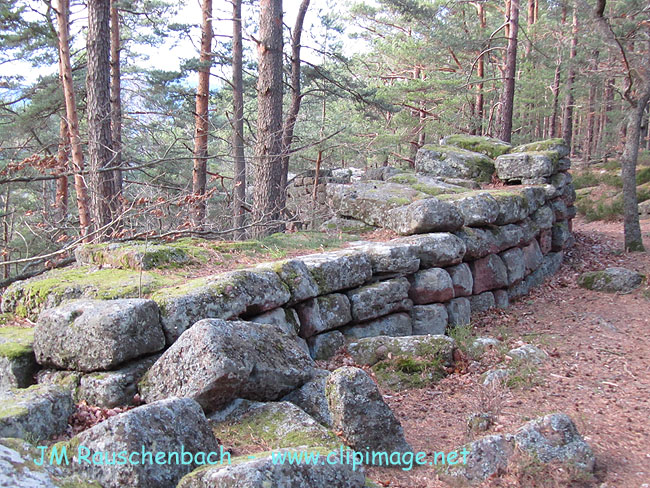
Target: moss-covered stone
x=557 y=145
x=28 y=298
x=481 y=144
x=16 y=342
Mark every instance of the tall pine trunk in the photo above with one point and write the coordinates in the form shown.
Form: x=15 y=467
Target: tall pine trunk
x=556 y=98
x=507 y=100
x=98 y=80
x=567 y=119
x=61 y=198
x=239 y=192
x=116 y=109
x=65 y=67
x=199 y=172
x=480 y=71
x=267 y=208
x=591 y=109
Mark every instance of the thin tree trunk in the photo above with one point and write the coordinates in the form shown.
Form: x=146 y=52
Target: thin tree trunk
x=480 y=71
x=632 y=229
x=267 y=208
x=567 y=120
x=531 y=19
x=239 y=193
x=591 y=109
x=199 y=172
x=72 y=117
x=61 y=198
x=608 y=102
x=296 y=96
x=507 y=100
x=98 y=82
x=116 y=111
x=556 y=97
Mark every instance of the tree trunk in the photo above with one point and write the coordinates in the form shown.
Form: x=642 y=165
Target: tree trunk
x=199 y=172
x=608 y=102
x=556 y=97
x=567 y=120
x=98 y=81
x=61 y=198
x=72 y=118
x=507 y=100
x=632 y=229
x=116 y=111
x=267 y=200
x=480 y=71
x=591 y=109
x=239 y=193
x=296 y=97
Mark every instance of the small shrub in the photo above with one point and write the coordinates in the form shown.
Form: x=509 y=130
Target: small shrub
x=643 y=176
x=612 y=165
x=585 y=180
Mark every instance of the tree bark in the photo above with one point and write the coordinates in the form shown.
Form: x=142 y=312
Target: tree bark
x=480 y=71
x=632 y=229
x=556 y=97
x=591 y=109
x=296 y=96
x=507 y=100
x=199 y=172
x=116 y=110
x=239 y=193
x=567 y=119
x=61 y=198
x=65 y=67
x=608 y=102
x=98 y=80
x=267 y=209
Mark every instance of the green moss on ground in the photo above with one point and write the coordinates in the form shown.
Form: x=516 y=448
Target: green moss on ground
x=402 y=373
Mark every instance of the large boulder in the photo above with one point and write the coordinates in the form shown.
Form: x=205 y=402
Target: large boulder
x=18 y=468
x=453 y=162
x=360 y=414
x=429 y=319
x=97 y=335
x=436 y=249
x=338 y=270
x=371 y=350
x=172 y=427
x=35 y=413
x=431 y=285
x=265 y=470
x=325 y=345
x=297 y=277
x=216 y=361
x=557 y=145
x=397 y=324
x=378 y=299
x=461 y=277
x=323 y=313
x=514 y=206
x=611 y=280
x=481 y=144
x=392 y=257
x=477 y=208
x=513 y=259
x=311 y=398
x=224 y=296
x=489 y=273
x=17 y=360
x=478 y=242
x=519 y=166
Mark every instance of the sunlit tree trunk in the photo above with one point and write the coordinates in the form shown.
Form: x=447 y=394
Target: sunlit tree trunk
x=116 y=109
x=507 y=100
x=567 y=119
x=61 y=197
x=239 y=193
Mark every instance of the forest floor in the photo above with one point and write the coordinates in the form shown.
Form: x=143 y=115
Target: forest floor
x=598 y=372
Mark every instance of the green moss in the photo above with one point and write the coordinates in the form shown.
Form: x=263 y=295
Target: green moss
x=16 y=342
x=540 y=145
x=480 y=144
x=11 y=350
x=409 y=372
x=398 y=201
x=10 y=409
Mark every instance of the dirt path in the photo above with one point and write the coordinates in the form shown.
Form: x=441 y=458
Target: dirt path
x=598 y=373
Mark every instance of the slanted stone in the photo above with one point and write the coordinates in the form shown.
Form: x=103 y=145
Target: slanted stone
x=390 y=257
x=275 y=424
x=338 y=270
x=35 y=413
x=156 y=427
x=285 y=318
x=110 y=389
x=556 y=145
x=520 y=165
x=477 y=209
x=381 y=298
x=96 y=335
x=360 y=414
x=481 y=459
x=262 y=470
x=513 y=206
x=431 y=285
x=611 y=280
x=323 y=313
x=325 y=345
x=311 y=398
x=371 y=350
x=459 y=311
x=436 y=249
x=461 y=277
x=216 y=361
x=223 y=296
x=513 y=259
x=481 y=144
x=297 y=277
x=397 y=324
x=453 y=162
x=429 y=319
x=501 y=298
x=507 y=236
x=488 y=273
x=478 y=242
x=428 y=215
x=17 y=361
x=482 y=302
x=529 y=230
x=533 y=257
x=555 y=438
